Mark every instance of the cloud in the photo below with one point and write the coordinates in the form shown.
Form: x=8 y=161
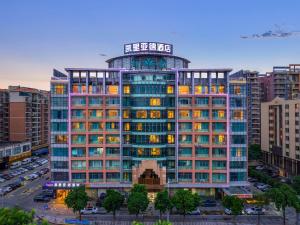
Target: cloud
x=276 y=33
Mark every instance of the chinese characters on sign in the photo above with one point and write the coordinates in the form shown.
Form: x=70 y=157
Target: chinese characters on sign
x=148 y=47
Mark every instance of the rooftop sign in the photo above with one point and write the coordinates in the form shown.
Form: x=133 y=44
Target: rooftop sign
x=141 y=47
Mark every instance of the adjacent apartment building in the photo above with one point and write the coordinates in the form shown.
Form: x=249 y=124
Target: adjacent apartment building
x=148 y=119
x=253 y=103
x=280 y=137
x=24 y=117
x=283 y=82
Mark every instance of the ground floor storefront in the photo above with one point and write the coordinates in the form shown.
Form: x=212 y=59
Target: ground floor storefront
x=287 y=167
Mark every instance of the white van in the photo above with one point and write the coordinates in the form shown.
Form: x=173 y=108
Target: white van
x=15 y=165
x=26 y=161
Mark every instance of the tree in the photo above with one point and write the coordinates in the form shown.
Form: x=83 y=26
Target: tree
x=197 y=199
x=162 y=222
x=77 y=200
x=139 y=188
x=261 y=200
x=296 y=184
x=184 y=201
x=137 y=203
x=233 y=203
x=113 y=201
x=254 y=152
x=17 y=216
x=162 y=202
x=283 y=196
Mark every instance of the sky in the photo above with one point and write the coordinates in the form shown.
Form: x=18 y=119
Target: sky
x=37 y=36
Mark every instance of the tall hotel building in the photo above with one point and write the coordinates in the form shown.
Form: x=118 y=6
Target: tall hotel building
x=148 y=119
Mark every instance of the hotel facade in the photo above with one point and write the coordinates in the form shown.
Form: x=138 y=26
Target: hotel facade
x=148 y=119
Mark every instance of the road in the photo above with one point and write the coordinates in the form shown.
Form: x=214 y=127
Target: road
x=23 y=196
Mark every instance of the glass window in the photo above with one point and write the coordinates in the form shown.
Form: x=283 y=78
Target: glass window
x=155 y=102
x=201 y=164
x=238 y=114
x=184 y=89
x=171 y=114
x=112 y=139
x=59 y=89
x=61 y=139
x=95 y=101
x=154 y=114
x=201 y=101
x=78 y=152
x=202 y=177
x=202 y=152
x=171 y=139
x=127 y=126
x=153 y=138
x=170 y=89
x=112 y=151
x=184 y=114
x=141 y=114
x=95 y=139
x=185 y=152
x=126 y=89
x=78 y=165
x=59 y=114
x=95 y=151
x=184 y=101
x=95 y=164
x=112 y=89
x=112 y=101
x=126 y=114
x=78 y=101
x=112 y=113
x=219 y=177
x=78 y=139
x=95 y=114
x=155 y=152
x=96 y=126
x=63 y=152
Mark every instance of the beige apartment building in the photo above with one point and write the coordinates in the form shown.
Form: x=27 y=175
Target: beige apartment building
x=280 y=135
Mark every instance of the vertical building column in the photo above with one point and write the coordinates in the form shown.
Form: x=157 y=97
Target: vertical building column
x=69 y=125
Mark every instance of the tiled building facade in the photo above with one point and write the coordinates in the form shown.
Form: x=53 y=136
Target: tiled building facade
x=148 y=119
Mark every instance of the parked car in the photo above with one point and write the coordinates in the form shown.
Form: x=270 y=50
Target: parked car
x=15 y=185
x=28 y=167
x=89 y=210
x=2 y=180
x=255 y=211
x=260 y=167
x=33 y=176
x=195 y=212
x=15 y=165
x=26 y=161
x=250 y=179
x=7 y=176
x=42 y=161
x=34 y=165
x=229 y=212
x=285 y=180
x=7 y=189
x=265 y=188
x=209 y=203
x=41 y=198
x=34 y=158
x=44 y=170
x=49 y=193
